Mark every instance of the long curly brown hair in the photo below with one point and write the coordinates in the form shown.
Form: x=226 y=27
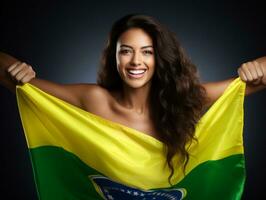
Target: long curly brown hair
x=175 y=84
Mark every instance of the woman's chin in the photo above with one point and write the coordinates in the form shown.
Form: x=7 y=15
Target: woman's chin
x=137 y=84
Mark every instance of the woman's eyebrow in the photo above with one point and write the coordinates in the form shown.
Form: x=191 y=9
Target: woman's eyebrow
x=125 y=45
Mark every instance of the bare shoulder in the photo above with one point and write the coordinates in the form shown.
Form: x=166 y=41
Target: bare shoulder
x=96 y=99
x=94 y=92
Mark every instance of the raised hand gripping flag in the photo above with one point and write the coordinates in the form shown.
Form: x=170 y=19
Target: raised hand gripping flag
x=77 y=155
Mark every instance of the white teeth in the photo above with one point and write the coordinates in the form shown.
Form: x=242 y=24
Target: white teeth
x=140 y=71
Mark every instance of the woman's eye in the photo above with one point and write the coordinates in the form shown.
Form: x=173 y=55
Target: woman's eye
x=147 y=52
x=125 y=51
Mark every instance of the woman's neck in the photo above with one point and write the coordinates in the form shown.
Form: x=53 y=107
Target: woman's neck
x=135 y=99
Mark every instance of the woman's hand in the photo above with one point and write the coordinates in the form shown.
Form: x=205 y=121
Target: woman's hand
x=21 y=72
x=253 y=72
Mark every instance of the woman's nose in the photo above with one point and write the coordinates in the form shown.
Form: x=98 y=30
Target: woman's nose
x=136 y=59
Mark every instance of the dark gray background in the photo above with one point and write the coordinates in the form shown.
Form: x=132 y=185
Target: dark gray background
x=63 y=42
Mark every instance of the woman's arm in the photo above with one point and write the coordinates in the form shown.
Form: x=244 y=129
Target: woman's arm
x=13 y=72
x=253 y=73
x=5 y=79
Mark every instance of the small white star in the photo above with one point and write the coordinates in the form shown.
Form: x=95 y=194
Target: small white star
x=128 y=191
x=135 y=193
x=110 y=197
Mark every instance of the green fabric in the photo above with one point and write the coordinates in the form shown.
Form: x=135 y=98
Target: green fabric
x=74 y=173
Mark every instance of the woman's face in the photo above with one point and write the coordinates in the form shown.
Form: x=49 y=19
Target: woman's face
x=135 y=58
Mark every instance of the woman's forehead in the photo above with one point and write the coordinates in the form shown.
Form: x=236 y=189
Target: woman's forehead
x=135 y=38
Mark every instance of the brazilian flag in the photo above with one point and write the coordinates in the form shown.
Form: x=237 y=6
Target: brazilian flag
x=77 y=155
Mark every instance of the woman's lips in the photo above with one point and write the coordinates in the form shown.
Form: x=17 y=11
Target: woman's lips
x=136 y=73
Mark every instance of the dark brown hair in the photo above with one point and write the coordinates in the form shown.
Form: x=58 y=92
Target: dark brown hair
x=176 y=92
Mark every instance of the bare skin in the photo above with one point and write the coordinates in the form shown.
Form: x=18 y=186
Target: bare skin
x=130 y=106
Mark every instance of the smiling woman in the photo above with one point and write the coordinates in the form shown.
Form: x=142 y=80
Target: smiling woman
x=146 y=106
x=135 y=58
x=170 y=78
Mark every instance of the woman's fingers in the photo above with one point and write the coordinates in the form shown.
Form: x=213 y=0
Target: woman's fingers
x=242 y=75
x=260 y=72
x=21 y=72
x=17 y=69
x=27 y=78
x=259 y=69
x=251 y=72
x=13 y=66
x=246 y=67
